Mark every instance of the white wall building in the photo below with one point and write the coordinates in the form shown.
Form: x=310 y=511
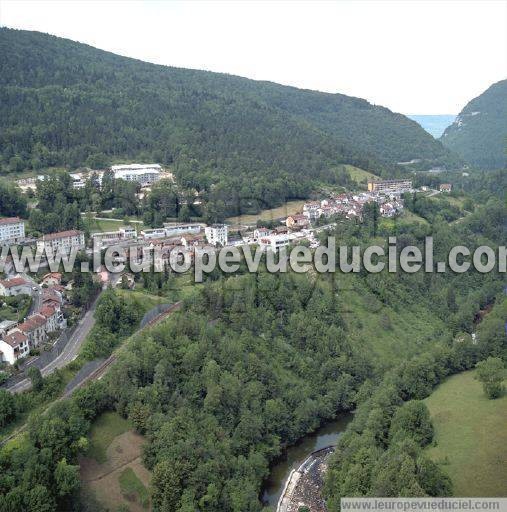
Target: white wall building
x=148 y=234
x=107 y=238
x=14 y=346
x=144 y=174
x=15 y=286
x=12 y=230
x=182 y=229
x=63 y=241
x=216 y=234
x=274 y=242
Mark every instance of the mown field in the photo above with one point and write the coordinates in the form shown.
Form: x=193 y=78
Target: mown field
x=470 y=436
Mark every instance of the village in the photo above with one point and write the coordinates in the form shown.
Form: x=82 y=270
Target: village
x=173 y=239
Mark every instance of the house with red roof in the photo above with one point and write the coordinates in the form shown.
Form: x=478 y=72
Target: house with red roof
x=15 y=286
x=297 y=221
x=34 y=327
x=14 y=346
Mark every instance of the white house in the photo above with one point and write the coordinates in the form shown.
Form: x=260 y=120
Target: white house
x=216 y=234
x=14 y=346
x=63 y=241
x=15 y=286
x=274 y=242
x=12 y=230
x=144 y=174
x=261 y=232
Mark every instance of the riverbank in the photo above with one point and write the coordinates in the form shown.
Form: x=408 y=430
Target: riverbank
x=295 y=456
x=304 y=486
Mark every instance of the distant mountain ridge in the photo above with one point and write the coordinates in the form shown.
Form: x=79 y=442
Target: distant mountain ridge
x=479 y=133
x=434 y=124
x=66 y=103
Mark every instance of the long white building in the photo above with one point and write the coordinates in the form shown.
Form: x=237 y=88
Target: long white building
x=12 y=230
x=144 y=174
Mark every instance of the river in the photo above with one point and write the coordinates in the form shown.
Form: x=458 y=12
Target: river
x=295 y=455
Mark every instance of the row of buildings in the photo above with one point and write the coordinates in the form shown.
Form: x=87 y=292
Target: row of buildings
x=17 y=339
x=144 y=174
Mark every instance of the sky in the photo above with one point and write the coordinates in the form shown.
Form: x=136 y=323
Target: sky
x=414 y=57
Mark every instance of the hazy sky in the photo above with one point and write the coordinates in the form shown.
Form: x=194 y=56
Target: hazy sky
x=428 y=57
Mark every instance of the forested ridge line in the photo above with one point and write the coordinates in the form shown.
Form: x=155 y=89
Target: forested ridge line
x=66 y=103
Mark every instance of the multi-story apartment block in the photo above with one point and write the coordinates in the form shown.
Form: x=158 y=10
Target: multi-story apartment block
x=12 y=230
x=216 y=234
x=63 y=241
x=144 y=174
x=386 y=186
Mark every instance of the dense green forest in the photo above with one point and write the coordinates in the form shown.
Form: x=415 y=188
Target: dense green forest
x=479 y=133
x=67 y=104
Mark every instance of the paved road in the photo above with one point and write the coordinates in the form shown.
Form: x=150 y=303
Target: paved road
x=98 y=372
x=70 y=351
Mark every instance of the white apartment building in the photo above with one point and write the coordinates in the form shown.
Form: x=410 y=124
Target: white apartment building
x=148 y=234
x=63 y=241
x=386 y=186
x=182 y=229
x=106 y=238
x=144 y=174
x=12 y=230
x=216 y=234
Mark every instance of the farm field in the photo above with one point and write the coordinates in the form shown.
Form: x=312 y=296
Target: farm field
x=113 y=472
x=470 y=436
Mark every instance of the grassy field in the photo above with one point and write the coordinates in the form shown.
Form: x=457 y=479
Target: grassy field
x=359 y=175
x=102 y=225
x=180 y=287
x=132 y=488
x=285 y=210
x=147 y=299
x=470 y=435
x=104 y=429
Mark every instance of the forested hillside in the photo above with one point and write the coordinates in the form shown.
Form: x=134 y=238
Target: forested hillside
x=66 y=103
x=479 y=133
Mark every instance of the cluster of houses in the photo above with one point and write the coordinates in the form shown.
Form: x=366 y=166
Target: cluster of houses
x=17 y=339
x=349 y=206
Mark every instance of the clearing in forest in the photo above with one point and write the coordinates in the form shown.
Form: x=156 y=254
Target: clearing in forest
x=470 y=436
x=113 y=471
